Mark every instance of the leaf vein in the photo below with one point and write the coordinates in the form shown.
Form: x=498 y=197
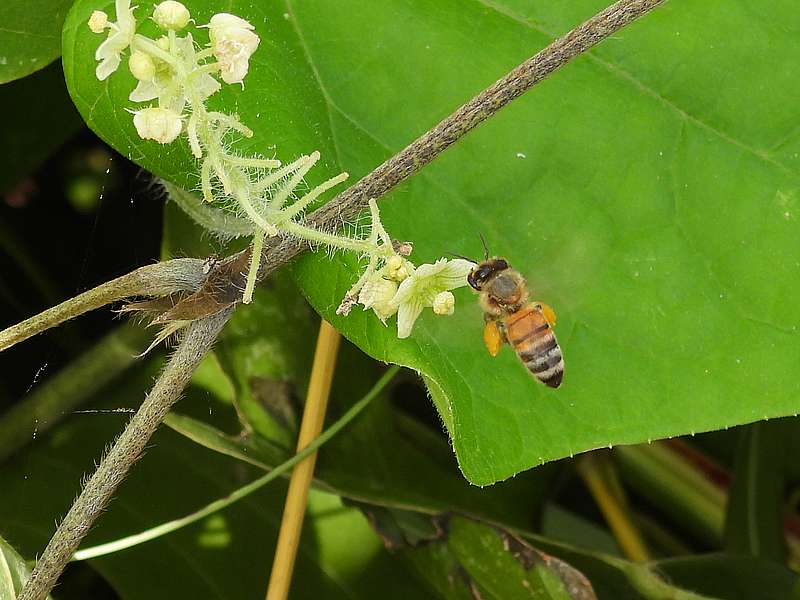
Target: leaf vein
x=617 y=70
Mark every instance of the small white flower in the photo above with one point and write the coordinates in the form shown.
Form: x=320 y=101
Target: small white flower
x=423 y=286
x=233 y=43
x=98 y=21
x=160 y=124
x=142 y=66
x=444 y=303
x=164 y=85
x=377 y=294
x=119 y=38
x=171 y=15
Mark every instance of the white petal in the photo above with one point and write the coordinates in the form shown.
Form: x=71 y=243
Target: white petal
x=141 y=66
x=111 y=46
x=377 y=291
x=234 y=71
x=407 y=315
x=107 y=66
x=227 y=24
x=125 y=19
x=207 y=86
x=454 y=274
x=430 y=270
x=144 y=92
x=405 y=291
x=159 y=124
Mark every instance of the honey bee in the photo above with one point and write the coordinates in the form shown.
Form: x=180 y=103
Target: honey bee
x=510 y=317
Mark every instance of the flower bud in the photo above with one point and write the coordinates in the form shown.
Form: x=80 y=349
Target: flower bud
x=233 y=43
x=397 y=268
x=444 y=303
x=377 y=294
x=98 y=21
x=160 y=124
x=171 y=15
x=163 y=43
x=142 y=66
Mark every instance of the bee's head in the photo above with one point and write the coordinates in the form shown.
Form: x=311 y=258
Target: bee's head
x=485 y=271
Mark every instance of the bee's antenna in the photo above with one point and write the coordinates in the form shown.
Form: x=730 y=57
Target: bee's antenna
x=461 y=256
x=485 y=247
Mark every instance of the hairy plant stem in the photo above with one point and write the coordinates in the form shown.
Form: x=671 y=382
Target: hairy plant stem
x=223 y=285
x=126 y=451
x=168 y=277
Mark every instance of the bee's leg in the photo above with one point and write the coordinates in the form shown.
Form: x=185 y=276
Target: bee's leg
x=501 y=327
x=494 y=336
x=548 y=313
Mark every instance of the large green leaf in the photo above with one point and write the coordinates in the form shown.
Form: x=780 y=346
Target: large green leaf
x=30 y=35
x=649 y=192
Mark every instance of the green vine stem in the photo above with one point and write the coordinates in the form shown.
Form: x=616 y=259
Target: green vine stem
x=168 y=277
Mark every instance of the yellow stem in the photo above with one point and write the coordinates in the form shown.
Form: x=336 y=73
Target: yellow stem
x=296 y=498
x=608 y=495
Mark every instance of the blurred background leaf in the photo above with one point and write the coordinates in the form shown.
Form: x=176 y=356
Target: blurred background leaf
x=40 y=117
x=733 y=577
x=755 y=513
x=30 y=35
x=13 y=571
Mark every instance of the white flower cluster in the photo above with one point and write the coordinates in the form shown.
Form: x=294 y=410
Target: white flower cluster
x=171 y=69
x=392 y=284
x=177 y=76
x=411 y=289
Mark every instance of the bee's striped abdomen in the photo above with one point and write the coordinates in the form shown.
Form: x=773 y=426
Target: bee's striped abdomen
x=533 y=339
